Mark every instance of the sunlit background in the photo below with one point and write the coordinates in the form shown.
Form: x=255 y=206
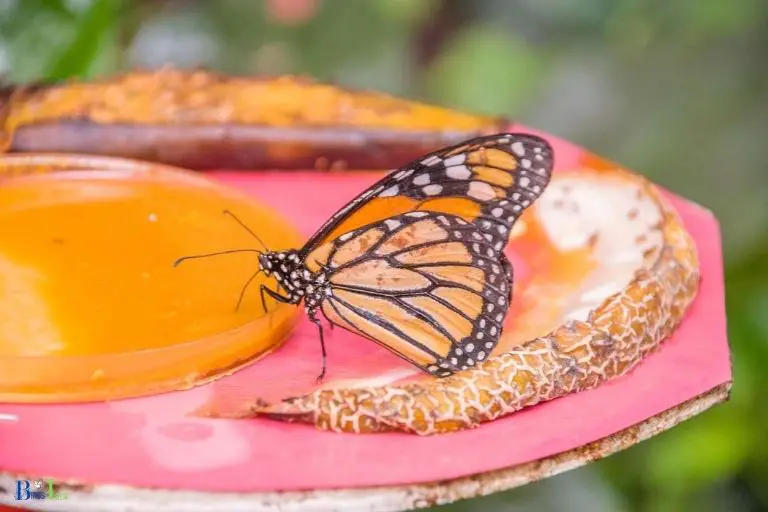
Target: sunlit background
x=676 y=90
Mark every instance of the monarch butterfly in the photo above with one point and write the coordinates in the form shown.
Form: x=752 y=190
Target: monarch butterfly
x=416 y=262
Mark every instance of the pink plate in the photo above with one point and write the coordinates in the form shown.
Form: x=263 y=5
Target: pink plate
x=154 y=442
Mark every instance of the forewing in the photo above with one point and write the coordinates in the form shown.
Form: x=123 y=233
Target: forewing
x=488 y=181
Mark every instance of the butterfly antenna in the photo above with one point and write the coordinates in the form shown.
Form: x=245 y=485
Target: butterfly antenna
x=184 y=258
x=242 y=224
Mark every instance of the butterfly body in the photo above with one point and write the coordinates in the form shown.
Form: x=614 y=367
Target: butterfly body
x=416 y=262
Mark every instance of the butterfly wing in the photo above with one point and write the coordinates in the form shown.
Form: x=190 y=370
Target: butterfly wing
x=431 y=287
x=488 y=181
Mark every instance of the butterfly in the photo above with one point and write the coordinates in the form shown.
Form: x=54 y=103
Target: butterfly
x=416 y=262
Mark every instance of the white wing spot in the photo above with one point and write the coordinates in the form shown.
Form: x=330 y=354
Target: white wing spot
x=421 y=179
x=480 y=355
x=392 y=223
x=417 y=214
x=455 y=160
x=391 y=191
x=431 y=160
x=432 y=190
x=458 y=172
x=524 y=181
x=497 y=212
x=489 y=344
x=469 y=347
x=518 y=148
x=480 y=190
x=525 y=163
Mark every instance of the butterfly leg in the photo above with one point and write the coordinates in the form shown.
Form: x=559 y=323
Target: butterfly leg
x=313 y=318
x=245 y=287
x=274 y=295
x=326 y=270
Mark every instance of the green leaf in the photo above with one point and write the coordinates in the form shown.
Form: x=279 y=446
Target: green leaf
x=485 y=70
x=76 y=59
x=700 y=453
x=57 y=7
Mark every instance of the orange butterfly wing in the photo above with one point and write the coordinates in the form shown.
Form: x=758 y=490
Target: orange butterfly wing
x=430 y=287
x=488 y=180
x=416 y=262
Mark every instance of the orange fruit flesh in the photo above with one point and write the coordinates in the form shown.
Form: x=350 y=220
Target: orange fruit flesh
x=91 y=305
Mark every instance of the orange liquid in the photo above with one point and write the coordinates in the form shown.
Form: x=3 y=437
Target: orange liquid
x=91 y=306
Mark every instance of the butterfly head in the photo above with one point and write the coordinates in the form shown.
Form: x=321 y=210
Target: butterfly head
x=287 y=268
x=279 y=263
x=293 y=275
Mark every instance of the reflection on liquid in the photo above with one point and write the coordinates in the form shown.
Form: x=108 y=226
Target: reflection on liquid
x=24 y=312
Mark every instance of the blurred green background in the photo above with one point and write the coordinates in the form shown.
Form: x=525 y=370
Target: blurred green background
x=675 y=90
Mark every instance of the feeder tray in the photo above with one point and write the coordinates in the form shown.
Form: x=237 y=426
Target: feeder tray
x=616 y=333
